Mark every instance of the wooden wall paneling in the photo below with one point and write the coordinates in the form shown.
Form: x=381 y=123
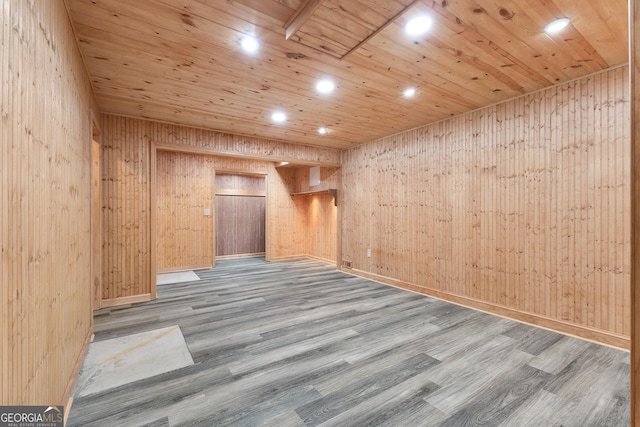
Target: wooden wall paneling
x=242 y=207
x=634 y=61
x=237 y=146
x=321 y=227
x=96 y=224
x=250 y=220
x=127 y=229
x=225 y=181
x=522 y=204
x=338 y=228
x=128 y=205
x=623 y=169
x=288 y=232
x=225 y=225
x=9 y=382
x=45 y=205
x=184 y=190
x=141 y=49
x=251 y=183
x=320 y=213
x=153 y=219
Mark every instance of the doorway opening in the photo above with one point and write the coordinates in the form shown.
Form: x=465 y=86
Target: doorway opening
x=240 y=205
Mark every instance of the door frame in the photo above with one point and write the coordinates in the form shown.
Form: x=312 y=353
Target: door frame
x=153 y=162
x=96 y=215
x=265 y=176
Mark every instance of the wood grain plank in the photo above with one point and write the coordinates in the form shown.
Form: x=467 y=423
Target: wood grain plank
x=551 y=200
x=45 y=216
x=299 y=343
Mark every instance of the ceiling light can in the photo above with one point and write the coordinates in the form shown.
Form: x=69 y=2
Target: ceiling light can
x=409 y=92
x=557 y=26
x=418 y=25
x=325 y=86
x=279 y=117
x=249 y=44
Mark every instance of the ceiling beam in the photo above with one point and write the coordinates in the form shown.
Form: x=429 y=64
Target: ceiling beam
x=301 y=16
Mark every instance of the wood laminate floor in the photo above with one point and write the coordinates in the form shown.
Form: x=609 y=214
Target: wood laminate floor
x=298 y=343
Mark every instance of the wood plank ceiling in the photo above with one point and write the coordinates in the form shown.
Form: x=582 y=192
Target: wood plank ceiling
x=180 y=61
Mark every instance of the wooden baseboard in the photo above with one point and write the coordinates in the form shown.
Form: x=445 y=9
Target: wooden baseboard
x=179 y=269
x=320 y=259
x=583 y=332
x=113 y=302
x=254 y=255
x=287 y=258
x=303 y=256
x=67 y=398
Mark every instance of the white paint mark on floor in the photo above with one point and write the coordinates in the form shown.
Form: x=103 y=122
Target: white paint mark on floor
x=177 y=277
x=115 y=362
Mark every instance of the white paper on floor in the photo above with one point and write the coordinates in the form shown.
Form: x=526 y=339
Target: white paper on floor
x=118 y=361
x=177 y=277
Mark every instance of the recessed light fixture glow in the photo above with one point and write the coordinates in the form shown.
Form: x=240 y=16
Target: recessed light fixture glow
x=556 y=26
x=249 y=44
x=408 y=92
x=418 y=25
x=279 y=117
x=323 y=131
x=325 y=86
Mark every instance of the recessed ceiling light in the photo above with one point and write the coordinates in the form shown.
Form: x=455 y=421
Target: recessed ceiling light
x=556 y=26
x=325 y=86
x=249 y=44
x=279 y=117
x=323 y=131
x=418 y=25
x=408 y=92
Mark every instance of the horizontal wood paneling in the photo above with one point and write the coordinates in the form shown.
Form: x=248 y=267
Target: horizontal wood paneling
x=180 y=62
x=523 y=205
x=45 y=204
x=126 y=192
x=245 y=147
x=184 y=190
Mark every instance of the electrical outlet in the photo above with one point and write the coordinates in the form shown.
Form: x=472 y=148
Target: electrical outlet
x=368 y=252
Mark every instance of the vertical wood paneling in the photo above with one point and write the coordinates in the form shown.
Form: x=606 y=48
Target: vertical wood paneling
x=225 y=225
x=287 y=216
x=45 y=204
x=634 y=60
x=126 y=240
x=96 y=224
x=250 y=221
x=240 y=219
x=126 y=192
x=184 y=189
x=321 y=227
x=318 y=212
x=522 y=206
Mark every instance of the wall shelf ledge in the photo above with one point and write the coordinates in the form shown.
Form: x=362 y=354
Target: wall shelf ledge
x=332 y=191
